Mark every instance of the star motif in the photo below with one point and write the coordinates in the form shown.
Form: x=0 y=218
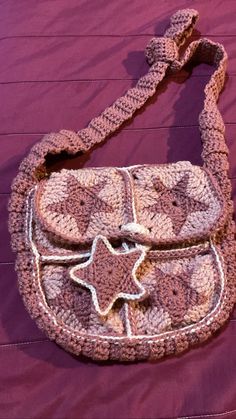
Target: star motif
x=81 y=202
x=175 y=202
x=175 y=295
x=110 y=274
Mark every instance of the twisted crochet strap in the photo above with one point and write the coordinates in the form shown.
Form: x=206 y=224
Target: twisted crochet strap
x=162 y=54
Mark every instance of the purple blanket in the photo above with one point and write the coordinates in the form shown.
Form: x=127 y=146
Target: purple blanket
x=62 y=63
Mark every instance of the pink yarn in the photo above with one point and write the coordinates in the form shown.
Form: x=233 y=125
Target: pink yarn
x=130 y=263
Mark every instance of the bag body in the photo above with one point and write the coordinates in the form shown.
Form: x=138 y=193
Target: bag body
x=130 y=263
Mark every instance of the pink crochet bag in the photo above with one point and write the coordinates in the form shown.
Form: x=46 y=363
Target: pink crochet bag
x=129 y=263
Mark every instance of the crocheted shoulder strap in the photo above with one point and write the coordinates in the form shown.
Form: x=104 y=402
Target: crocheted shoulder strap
x=162 y=54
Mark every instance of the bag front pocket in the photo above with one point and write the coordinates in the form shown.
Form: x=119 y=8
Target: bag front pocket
x=184 y=289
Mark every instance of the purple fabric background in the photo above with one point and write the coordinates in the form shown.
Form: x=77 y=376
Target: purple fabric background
x=62 y=63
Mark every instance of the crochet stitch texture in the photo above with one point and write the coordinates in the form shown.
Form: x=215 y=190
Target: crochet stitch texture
x=130 y=263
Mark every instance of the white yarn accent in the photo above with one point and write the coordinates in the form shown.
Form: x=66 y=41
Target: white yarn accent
x=75 y=257
x=127 y=320
x=135 y=228
x=126 y=170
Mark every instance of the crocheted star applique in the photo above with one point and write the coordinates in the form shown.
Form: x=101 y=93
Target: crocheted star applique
x=81 y=202
x=175 y=295
x=175 y=202
x=110 y=274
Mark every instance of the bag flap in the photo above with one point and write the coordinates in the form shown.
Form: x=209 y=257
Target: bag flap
x=157 y=204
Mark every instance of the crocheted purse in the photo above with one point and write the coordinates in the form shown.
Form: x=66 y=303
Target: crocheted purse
x=136 y=262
